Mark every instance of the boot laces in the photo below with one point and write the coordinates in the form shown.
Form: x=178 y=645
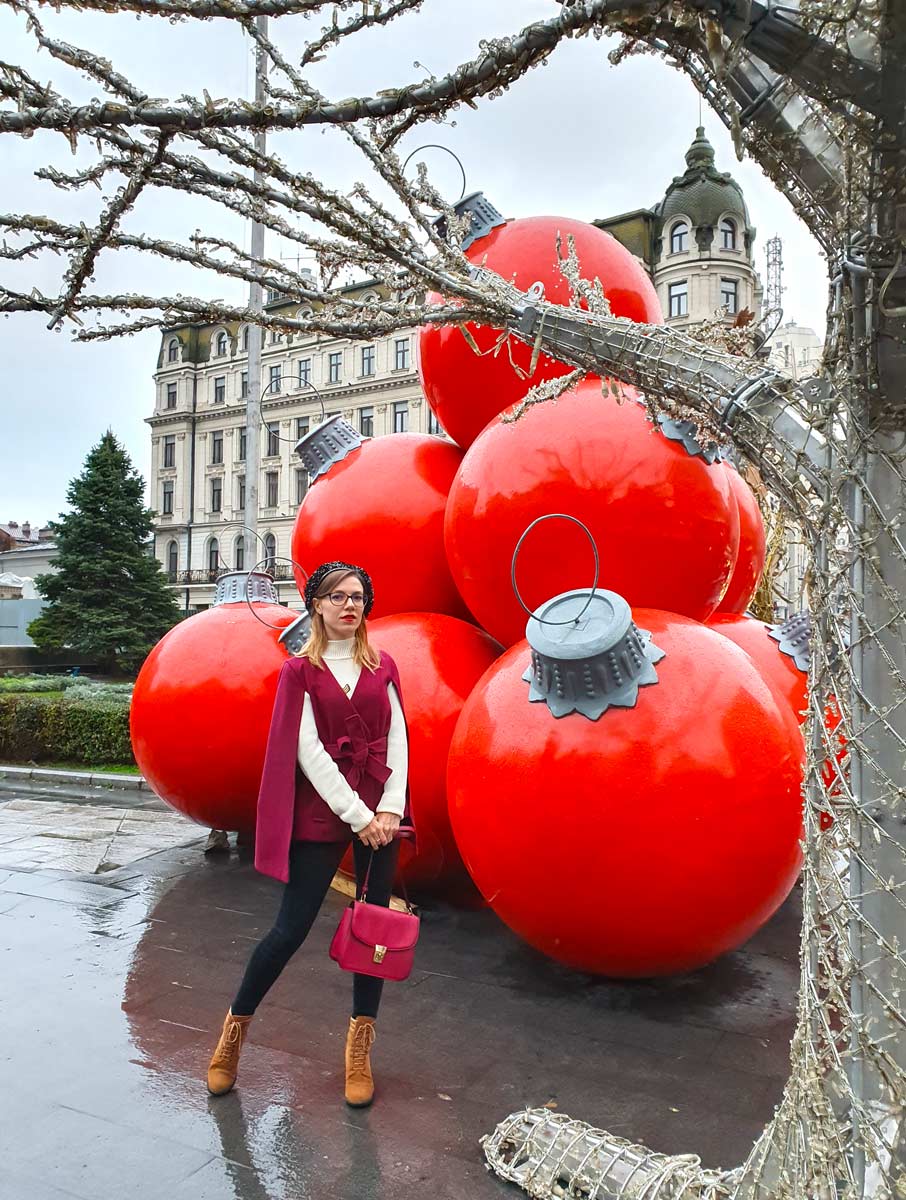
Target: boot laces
x=228 y=1048
x=362 y=1040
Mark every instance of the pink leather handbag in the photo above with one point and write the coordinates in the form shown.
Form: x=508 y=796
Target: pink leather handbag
x=373 y=940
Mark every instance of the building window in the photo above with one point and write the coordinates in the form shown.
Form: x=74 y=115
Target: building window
x=240 y=497
x=366 y=422
x=276 y=337
x=302 y=427
x=434 y=426
x=171 y=395
x=301 y=484
x=334 y=363
x=270 y=552
x=728 y=234
x=678 y=299
x=400 y=416
x=273 y=294
x=276 y=379
x=401 y=354
x=170 y=450
x=221 y=345
x=368 y=360
x=242 y=444
x=216 y=494
x=273 y=438
x=270 y=489
x=217 y=446
x=304 y=372
x=239 y=555
x=213 y=555
x=244 y=385
x=220 y=389
x=173 y=350
x=729 y=295
x=167 y=504
x=172 y=560
x=679 y=238
x=245 y=338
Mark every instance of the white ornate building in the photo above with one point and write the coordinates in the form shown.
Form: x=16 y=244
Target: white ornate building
x=697 y=242
x=199 y=439
x=796 y=350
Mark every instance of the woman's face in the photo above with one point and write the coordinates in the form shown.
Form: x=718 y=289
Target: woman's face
x=343 y=609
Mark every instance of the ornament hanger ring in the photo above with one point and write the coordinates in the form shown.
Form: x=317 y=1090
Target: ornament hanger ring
x=262 y=566
x=245 y=529
x=302 y=383
x=551 y=517
x=438 y=146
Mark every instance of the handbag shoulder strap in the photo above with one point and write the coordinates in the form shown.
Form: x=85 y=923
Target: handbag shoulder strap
x=402 y=882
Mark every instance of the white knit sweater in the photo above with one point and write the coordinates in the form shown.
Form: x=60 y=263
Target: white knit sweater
x=324 y=774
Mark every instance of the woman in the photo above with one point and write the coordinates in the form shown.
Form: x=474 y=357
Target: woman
x=336 y=771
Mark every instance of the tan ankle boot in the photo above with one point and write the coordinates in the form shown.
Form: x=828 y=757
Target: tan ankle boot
x=359 y=1083
x=224 y=1066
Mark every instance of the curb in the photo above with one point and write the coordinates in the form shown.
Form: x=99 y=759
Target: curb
x=133 y=790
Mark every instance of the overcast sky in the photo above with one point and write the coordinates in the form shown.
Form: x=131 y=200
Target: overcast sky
x=575 y=137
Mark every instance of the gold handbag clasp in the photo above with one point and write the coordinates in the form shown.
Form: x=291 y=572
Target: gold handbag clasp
x=379 y=952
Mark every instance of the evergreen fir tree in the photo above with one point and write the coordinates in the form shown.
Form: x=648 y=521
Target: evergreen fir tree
x=109 y=598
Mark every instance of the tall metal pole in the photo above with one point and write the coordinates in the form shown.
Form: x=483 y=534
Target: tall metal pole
x=253 y=399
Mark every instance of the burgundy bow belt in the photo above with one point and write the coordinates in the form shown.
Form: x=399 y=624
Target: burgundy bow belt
x=363 y=757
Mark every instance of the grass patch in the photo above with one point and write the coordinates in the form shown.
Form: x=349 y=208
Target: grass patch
x=96 y=768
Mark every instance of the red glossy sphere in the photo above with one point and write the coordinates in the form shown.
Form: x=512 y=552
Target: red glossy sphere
x=644 y=843
x=750 y=559
x=440 y=660
x=201 y=710
x=383 y=508
x=777 y=668
x=465 y=390
x=665 y=523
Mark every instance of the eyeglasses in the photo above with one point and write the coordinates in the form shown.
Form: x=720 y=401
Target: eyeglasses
x=338 y=599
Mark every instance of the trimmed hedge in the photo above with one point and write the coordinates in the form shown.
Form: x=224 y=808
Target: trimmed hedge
x=73 y=728
x=74 y=684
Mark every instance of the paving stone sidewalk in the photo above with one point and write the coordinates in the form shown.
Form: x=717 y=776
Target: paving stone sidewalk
x=114 y=986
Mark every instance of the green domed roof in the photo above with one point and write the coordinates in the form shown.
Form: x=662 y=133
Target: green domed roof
x=702 y=193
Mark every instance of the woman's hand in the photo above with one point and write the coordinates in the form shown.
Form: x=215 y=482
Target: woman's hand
x=380 y=831
x=390 y=823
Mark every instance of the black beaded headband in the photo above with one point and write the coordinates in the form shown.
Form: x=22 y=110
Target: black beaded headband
x=317 y=578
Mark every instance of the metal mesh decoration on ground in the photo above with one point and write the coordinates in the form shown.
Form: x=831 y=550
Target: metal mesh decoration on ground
x=814 y=94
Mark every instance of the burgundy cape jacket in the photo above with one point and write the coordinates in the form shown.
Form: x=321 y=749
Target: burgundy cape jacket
x=353 y=730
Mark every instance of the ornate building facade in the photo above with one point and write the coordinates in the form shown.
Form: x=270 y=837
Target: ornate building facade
x=199 y=438
x=697 y=243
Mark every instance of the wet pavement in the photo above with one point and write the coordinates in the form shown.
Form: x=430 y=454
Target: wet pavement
x=114 y=986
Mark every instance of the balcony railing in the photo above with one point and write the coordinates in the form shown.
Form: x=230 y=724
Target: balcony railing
x=280 y=573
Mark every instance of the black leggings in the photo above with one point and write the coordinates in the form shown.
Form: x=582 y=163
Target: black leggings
x=312 y=866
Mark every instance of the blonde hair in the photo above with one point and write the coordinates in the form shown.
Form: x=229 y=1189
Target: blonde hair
x=363 y=653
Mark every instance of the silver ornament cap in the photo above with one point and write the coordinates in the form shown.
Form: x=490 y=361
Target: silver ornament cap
x=588 y=661
x=686 y=433
x=795 y=636
x=326 y=444
x=237 y=587
x=295 y=636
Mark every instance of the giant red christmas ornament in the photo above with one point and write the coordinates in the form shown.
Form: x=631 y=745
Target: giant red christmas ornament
x=465 y=390
x=380 y=503
x=202 y=703
x=627 y=804
x=780 y=652
x=664 y=519
x=750 y=559
x=440 y=660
